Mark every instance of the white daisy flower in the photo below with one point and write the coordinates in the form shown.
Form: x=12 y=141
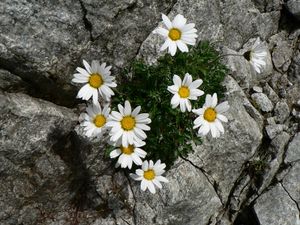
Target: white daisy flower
x=127 y=155
x=211 y=116
x=150 y=175
x=178 y=34
x=257 y=56
x=98 y=80
x=95 y=119
x=184 y=91
x=128 y=125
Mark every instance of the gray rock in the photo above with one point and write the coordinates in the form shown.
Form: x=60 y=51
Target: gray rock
x=293 y=153
x=274 y=160
x=294 y=7
x=271 y=93
x=274 y=129
x=294 y=69
x=257 y=89
x=291 y=182
x=34 y=178
x=271 y=120
x=177 y=205
x=241 y=139
x=263 y=102
x=276 y=207
x=12 y=83
x=48 y=40
x=281 y=111
x=282 y=52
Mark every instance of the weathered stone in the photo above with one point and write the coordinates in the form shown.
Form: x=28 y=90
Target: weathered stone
x=240 y=141
x=12 y=83
x=33 y=178
x=277 y=208
x=262 y=101
x=274 y=129
x=271 y=93
x=282 y=52
x=271 y=120
x=281 y=111
x=293 y=153
x=294 y=7
x=276 y=153
x=291 y=182
x=257 y=89
x=173 y=204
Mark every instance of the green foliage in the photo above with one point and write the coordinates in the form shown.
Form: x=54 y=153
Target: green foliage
x=172 y=131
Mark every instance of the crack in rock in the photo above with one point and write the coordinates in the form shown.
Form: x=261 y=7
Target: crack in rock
x=214 y=184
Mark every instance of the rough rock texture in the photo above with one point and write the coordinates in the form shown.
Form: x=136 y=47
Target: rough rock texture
x=294 y=7
x=52 y=174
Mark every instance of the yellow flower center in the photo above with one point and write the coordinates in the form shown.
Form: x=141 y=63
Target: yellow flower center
x=95 y=80
x=174 y=34
x=128 y=150
x=149 y=174
x=99 y=120
x=128 y=123
x=210 y=114
x=184 y=92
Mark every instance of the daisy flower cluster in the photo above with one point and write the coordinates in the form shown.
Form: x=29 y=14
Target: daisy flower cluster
x=179 y=34
x=125 y=127
x=128 y=127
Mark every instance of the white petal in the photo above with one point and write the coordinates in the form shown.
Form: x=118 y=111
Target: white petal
x=83 y=71
x=87 y=66
x=213 y=130
x=182 y=46
x=151 y=187
x=196 y=83
x=173 y=89
x=182 y=105
x=175 y=100
x=95 y=96
x=172 y=48
x=208 y=100
x=222 y=107
x=144 y=185
x=214 y=100
x=222 y=118
x=165 y=45
x=219 y=126
x=157 y=183
x=167 y=21
x=115 y=153
x=145 y=165
x=127 y=109
x=179 y=21
x=136 y=111
x=162 y=179
x=85 y=92
x=162 y=31
x=177 y=80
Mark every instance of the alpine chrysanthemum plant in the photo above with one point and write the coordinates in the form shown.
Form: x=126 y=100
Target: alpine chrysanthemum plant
x=150 y=175
x=184 y=91
x=128 y=126
x=97 y=81
x=157 y=130
x=95 y=119
x=177 y=35
x=128 y=155
x=210 y=116
x=257 y=56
